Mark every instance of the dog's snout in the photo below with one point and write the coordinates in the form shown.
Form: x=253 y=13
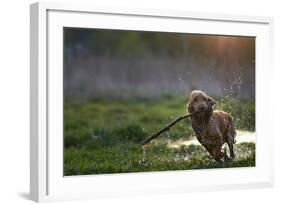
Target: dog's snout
x=202 y=107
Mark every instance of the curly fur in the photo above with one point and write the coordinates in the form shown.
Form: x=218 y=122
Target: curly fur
x=212 y=128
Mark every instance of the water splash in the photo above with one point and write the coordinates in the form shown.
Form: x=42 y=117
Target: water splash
x=242 y=137
x=168 y=138
x=235 y=86
x=143 y=160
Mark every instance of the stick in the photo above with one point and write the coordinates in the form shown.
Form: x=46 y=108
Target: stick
x=166 y=128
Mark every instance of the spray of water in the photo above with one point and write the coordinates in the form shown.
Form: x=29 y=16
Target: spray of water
x=143 y=160
x=168 y=138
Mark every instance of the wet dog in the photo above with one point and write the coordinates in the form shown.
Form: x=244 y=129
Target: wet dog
x=212 y=128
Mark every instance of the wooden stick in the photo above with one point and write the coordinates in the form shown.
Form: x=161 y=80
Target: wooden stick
x=166 y=128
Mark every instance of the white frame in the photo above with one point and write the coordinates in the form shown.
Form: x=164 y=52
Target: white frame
x=43 y=177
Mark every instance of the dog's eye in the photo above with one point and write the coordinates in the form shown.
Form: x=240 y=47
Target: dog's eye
x=195 y=99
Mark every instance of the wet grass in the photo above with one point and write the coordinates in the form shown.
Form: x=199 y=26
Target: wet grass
x=125 y=158
x=103 y=136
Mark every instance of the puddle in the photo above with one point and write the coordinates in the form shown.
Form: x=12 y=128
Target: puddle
x=242 y=136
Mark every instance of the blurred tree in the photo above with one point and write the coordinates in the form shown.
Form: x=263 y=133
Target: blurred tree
x=135 y=43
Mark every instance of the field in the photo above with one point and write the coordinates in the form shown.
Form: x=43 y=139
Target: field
x=103 y=136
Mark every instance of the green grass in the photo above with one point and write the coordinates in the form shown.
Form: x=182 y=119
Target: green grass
x=242 y=111
x=102 y=136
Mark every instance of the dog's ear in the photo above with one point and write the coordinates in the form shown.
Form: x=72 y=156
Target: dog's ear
x=211 y=102
x=190 y=108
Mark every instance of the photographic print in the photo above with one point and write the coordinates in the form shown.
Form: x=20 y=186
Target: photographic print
x=142 y=101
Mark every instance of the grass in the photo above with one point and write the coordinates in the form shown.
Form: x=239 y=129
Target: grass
x=102 y=136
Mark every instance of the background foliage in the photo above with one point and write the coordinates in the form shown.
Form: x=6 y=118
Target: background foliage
x=120 y=86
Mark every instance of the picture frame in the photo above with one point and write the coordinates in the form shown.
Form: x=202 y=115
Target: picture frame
x=47 y=182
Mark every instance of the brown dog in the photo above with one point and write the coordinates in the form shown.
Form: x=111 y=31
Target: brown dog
x=212 y=128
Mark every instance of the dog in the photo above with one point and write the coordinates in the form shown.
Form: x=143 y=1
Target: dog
x=212 y=128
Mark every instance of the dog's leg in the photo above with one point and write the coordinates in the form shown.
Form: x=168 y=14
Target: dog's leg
x=215 y=152
x=225 y=156
x=230 y=139
x=230 y=145
x=218 y=155
x=203 y=133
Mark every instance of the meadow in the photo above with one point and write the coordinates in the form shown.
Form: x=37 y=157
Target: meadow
x=103 y=136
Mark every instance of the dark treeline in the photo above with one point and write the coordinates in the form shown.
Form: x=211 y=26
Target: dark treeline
x=222 y=64
x=140 y=44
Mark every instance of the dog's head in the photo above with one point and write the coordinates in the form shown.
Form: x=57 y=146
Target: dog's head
x=200 y=102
